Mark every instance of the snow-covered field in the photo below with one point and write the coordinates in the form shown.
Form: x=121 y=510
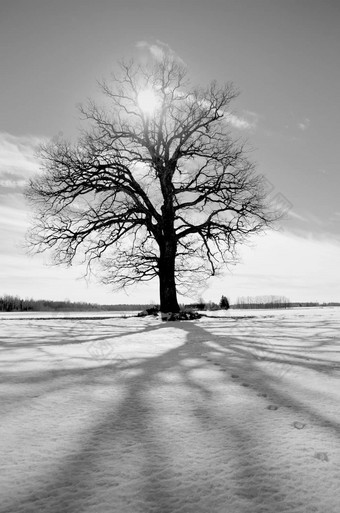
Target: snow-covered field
x=236 y=415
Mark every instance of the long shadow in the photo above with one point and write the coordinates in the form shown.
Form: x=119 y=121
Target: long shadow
x=134 y=436
x=249 y=366
x=45 y=333
x=130 y=423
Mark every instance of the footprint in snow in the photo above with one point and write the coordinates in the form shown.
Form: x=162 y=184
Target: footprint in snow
x=299 y=425
x=272 y=407
x=322 y=456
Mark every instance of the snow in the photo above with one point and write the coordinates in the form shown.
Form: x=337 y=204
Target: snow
x=237 y=414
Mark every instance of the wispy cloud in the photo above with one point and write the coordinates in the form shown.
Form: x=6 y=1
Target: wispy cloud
x=11 y=180
x=247 y=121
x=335 y=218
x=303 y=125
x=297 y=216
x=17 y=158
x=158 y=50
x=13 y=218
x=300 y=268
x=17 y=164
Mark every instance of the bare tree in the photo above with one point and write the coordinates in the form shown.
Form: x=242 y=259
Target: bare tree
x=155 y=186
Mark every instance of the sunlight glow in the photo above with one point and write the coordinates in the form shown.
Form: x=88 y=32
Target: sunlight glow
x=148 y=101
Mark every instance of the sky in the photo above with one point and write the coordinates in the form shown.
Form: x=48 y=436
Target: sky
x=282 y=55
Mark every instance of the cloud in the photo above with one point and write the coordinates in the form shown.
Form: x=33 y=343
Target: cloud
x=297 y=216
x=245 y=122
x=17 y=158
x=281 y=263
x=17 y=164
x=159 y=50
x=303 y=125
x=13 y=218
x=335 y=218
x=156 y=50
x=31 y=277
x=11 y=180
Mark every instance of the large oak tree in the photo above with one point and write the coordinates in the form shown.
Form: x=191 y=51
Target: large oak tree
x=156 y=185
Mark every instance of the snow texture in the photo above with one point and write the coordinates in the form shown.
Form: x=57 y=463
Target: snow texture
x=236 y=415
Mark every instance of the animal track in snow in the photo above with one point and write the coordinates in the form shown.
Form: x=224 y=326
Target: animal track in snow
x=299 y=425
x=322 y=456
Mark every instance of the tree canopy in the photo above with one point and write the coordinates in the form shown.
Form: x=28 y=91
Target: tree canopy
x=156 y=185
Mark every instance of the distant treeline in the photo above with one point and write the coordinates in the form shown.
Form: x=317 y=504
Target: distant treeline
x=274 y=302
x=16 y=304
x=10 y=303
x=262 y=302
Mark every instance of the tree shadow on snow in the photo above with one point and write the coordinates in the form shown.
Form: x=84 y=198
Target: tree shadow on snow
x=156 y=448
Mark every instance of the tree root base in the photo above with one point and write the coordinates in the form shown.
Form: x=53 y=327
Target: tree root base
x=180 y=316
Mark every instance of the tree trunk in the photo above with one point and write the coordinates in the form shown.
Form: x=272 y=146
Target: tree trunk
x=167 y=245
x=167 y=283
